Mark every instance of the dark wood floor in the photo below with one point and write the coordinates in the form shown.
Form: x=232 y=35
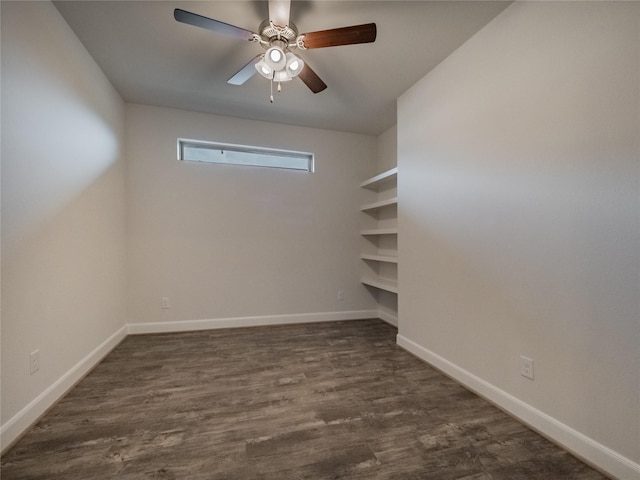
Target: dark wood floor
x=318 y=401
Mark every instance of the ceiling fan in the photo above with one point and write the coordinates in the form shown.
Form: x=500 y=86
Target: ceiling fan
x=279 y=36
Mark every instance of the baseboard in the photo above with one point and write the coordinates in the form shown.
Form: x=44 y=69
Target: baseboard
x=17 y=425
x=388 y=317
x=256 y=321
x=587 y=449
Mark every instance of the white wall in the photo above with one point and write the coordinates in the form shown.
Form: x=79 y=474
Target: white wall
x=519 y=220
x=388 y=149
x=63 y=216
x=228 y=241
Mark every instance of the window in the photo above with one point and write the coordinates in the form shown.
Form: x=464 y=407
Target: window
x=211 y=152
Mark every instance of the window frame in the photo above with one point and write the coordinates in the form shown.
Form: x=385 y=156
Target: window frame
x=249 y=149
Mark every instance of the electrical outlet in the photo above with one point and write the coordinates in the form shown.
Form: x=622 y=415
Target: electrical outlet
x=340 y=295
x=526 y=367
x=34 y=362
x=165 y=302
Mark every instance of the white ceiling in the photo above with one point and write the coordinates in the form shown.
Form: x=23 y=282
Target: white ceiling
x=152 y=59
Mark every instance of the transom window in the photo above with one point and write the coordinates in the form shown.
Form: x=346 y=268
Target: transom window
x=213 y=152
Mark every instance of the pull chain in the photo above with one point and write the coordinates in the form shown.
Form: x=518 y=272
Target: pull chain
x=279 y=89
x=271 y=97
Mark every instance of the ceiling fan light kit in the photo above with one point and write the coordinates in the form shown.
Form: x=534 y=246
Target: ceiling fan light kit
x=278 y=35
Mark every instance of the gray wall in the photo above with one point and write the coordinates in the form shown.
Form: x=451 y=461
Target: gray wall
x=63 y=208
x=227 y=241
x=519 y=217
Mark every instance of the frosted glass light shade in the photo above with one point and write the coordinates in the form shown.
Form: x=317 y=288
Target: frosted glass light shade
x=264 y=69
x=294 y=64
x=275 y=58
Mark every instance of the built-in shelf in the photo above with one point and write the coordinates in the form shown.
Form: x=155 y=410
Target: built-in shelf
x=382 y=203
x=381 y=283
x=374 y=182
x=379 y=231
x=379 y=258
x=379 y=255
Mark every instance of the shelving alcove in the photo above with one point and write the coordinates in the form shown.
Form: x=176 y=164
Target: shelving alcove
x=380 y=232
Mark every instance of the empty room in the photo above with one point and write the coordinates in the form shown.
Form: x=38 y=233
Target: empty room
x=274 y=239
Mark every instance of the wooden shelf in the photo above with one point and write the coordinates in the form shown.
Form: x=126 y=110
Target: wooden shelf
x=380 y=204
x=379 y=258
x=381 y=283
x=380 y=231
x=375 y=182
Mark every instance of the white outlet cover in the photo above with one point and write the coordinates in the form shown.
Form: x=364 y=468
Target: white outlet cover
x=526 y=367
x=34 y=362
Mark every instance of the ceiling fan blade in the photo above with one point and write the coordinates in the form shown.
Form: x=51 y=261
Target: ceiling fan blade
x=311 y=79
x=279 y=11
x=246 y=72
x=211 y=24
x=365 y=33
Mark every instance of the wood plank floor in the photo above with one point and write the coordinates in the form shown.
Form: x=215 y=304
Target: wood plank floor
x=318 y=401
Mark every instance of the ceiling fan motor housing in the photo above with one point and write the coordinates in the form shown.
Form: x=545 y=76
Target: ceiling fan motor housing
x=271 y=33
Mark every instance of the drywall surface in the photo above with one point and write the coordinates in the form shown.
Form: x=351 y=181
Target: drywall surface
x=63 y=210
x=225 y=241
x=388 y=149
x=519 y=229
